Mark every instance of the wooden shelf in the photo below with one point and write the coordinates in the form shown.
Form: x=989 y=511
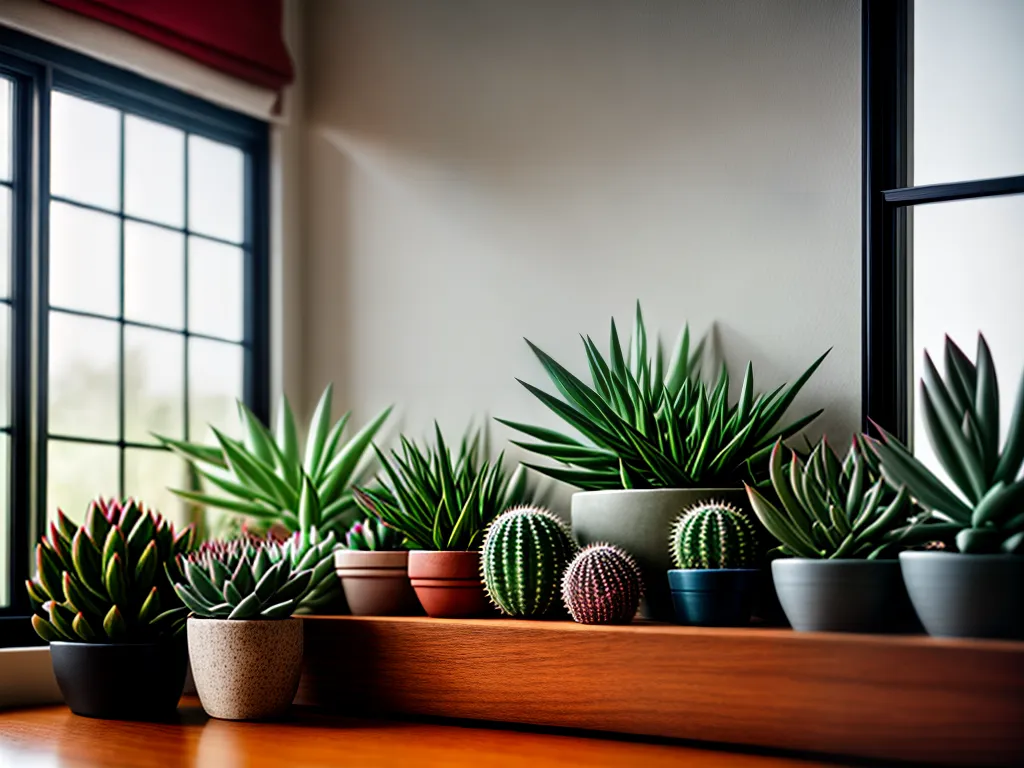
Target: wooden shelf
x=892 y=698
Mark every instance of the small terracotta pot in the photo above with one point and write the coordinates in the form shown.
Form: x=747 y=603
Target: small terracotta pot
x=245 y=670
x=376 y=583
x=448 y=584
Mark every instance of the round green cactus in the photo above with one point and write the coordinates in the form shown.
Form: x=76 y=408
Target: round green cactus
x=713 y=535
x=525 y=553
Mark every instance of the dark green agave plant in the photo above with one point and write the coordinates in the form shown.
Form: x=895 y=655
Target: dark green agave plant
x=438 y=502
x=110 y=580
x=646 y=425
x=961 y=417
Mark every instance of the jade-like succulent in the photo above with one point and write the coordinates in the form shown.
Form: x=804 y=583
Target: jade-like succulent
x=838 y=509
x=602 y=585
x=109 y=580
x=961 y=417
x=523 y=558
x=253 y=580
x=713 y=535
x=371 y=535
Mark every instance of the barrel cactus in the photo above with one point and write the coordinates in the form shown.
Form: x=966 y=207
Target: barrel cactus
x=109 y=580
x=713 y=535
x=602 y=586
x=524 y=554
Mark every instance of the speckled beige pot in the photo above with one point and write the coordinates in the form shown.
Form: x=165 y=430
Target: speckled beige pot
x=245 y=670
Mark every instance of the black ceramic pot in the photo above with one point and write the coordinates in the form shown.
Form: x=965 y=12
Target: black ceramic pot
x=120 y=681
x=722 y=597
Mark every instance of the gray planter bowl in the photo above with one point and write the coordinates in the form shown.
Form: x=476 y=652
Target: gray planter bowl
x=958 y=595
x=837 y=595
x=639 y=521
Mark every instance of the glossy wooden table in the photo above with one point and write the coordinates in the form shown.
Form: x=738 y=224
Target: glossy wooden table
x=52 y=737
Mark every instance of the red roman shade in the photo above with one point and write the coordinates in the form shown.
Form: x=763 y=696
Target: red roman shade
x=242 y=38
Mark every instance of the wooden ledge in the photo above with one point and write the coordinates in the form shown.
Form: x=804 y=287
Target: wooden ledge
x=892 y=698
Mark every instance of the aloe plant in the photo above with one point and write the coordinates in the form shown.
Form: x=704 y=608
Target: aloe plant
x=835 y=509
x=371 y=535
x=245 y=579
x=648 y=425
x=264 y=475
x=438 y=502
x=961 y=418
x=109 y=580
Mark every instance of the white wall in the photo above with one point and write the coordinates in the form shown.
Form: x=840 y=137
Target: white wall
x=477 y=172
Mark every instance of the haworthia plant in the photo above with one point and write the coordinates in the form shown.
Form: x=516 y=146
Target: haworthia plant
x=247 y=580
x=372 y=535
x=834 y=508
x=110 y=580
x=265 y=475
x=961 y=418
x=440 y=502
x=646 y=424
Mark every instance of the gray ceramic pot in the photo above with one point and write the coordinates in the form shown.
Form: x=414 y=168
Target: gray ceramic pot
x=376 y=583
x=245 y=670
x=837 y=595
x=959 y=595
x=639 y=521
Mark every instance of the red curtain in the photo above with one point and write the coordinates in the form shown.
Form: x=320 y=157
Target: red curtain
x=240 y=37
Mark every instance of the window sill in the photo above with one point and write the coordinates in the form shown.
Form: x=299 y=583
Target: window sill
x=26 y=678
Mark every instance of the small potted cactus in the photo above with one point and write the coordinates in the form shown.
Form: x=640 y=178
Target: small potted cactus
x=374 y=571
x=102 y=597
x=441 y=505
x=602 y=585
x=840 y=529
x=524 y=556
x=714 y=548
x=244 y=643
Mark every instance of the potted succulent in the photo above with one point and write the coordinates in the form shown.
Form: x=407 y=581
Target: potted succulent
x=840 y=528
x=657 y=439
x=102 y=597
x=374 y=571
x=978 y=590
x=265 y=477
x=714 y=548
x=602 y=585
x=441 y=505
x=245 y=644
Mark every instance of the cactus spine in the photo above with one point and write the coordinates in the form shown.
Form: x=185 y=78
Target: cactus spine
x=602 y=586
x=524 y=555
x=713 y=535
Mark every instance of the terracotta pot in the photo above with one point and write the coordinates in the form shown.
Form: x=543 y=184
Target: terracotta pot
x=245 y=670
x=448 y=584
x=376 y=583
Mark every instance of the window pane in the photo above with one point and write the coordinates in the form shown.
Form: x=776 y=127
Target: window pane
x=154 y=384
x=154 y=274
x=5 y=242
x=85 y=151
x=215 y=383
x=5 y=522
x=148 y=474
x=215 y=284
x=6 y=127
x=84 y=260
x=154 y=173
x=83 y=383
x=216 y=176
x=967 y=276
x=5 y=367
x=968 y=100
x=76 y=473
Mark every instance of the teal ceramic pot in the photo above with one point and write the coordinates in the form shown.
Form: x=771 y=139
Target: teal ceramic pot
x=639 y=521
x=722 y=597
x=958 y=595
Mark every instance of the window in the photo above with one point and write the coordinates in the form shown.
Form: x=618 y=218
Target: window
x=944 y=194
x=133 y=289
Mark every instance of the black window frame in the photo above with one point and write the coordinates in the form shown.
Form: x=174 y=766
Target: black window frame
x=38 y=67
x=888 y=195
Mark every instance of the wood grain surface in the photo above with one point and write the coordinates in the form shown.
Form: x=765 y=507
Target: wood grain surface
x=890 y=698
x=55 y=738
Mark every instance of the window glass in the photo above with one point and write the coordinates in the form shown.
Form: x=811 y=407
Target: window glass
x=85 y=151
